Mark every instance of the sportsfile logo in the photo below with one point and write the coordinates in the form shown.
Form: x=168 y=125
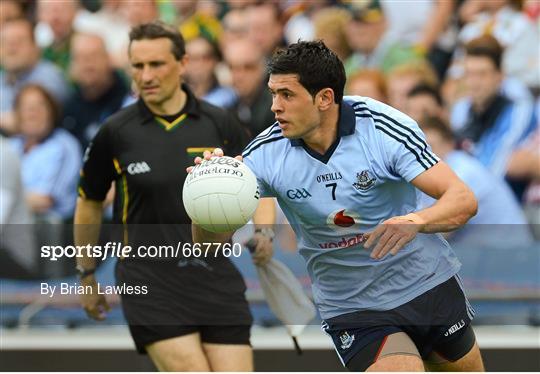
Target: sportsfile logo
x=138 y=168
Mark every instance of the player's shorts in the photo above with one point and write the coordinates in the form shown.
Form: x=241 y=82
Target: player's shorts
x=186 y=296
x=436 y=324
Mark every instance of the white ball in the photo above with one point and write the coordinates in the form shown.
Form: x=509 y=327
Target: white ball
x=221 y=194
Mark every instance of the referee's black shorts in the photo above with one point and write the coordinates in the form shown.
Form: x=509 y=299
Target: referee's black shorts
x=185 y=296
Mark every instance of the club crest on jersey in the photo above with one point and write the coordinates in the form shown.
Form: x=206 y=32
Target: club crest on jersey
x=364 y=180
x=346 y=340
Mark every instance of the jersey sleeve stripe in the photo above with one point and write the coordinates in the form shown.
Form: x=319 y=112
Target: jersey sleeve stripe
x=417 y=141
x=264 y=134
x=425 y=163
x=261 y=143
x=426 y=167
x=274 y=130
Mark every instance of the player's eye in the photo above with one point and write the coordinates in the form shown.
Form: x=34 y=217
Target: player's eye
x=137 y=66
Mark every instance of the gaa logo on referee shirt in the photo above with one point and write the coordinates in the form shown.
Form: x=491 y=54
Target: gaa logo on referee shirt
x=138 y=168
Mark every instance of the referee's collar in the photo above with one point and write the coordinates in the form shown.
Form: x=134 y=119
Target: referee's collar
x=191 y=107
x=346 y=123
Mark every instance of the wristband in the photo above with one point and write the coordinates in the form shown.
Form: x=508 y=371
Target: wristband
x=83 y=273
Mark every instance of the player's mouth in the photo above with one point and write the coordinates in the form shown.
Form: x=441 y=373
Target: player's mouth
x=282 y=123
x=150 y=89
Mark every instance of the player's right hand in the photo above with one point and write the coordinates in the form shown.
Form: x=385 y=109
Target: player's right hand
x=207 y=155
x=94 y=304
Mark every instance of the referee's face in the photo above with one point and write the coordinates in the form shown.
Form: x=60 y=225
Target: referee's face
x=294 y=107
x=155 y=71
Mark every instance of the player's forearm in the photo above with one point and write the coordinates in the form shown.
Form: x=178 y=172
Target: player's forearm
x=88 y=216
x=266 y=213
x=454 y=208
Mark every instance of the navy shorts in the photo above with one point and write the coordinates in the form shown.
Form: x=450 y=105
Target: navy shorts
x=436 y=321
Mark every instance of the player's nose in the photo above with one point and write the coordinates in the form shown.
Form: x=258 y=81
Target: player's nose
x=276 y=105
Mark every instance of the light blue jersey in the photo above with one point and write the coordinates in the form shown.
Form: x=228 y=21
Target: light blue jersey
x=331 y=199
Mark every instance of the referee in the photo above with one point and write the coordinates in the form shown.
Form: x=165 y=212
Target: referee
x=191 y=314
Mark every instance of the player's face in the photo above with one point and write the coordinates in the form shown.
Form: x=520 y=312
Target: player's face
x=293 y=106
x=155 y=71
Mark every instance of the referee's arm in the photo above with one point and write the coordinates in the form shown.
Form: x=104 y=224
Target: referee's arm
x=88 y=216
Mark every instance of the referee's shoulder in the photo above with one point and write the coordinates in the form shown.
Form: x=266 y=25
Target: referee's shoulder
x=214 y=112
x=124 y=116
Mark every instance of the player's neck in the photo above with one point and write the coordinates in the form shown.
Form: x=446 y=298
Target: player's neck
x=171 y=106
x=322 y=137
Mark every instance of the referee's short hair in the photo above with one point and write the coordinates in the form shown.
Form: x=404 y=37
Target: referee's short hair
x=315 y=64
x=156 y=30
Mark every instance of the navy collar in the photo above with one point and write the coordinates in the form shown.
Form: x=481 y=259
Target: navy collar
x=191 y=107
x=346 y=124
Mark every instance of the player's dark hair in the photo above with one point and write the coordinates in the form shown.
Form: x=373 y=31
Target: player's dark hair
x=316 y=66
x=426 y=89
x=156 y=30
x=439 y=125
x=486 y=46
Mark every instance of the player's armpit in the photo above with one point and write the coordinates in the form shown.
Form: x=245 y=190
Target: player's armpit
x=455 y=203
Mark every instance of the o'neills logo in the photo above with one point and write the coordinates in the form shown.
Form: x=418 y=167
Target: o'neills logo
x=344 y=242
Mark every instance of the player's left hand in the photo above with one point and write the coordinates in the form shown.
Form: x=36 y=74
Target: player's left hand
x=207 y=155
x=392 y=235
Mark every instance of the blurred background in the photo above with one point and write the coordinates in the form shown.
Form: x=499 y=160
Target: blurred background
x=466 y=70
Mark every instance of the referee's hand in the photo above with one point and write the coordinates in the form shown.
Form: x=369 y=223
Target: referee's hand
x=94 y=304
x=207 y=155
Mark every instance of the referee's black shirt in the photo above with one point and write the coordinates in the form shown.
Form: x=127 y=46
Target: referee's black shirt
x=147 y=157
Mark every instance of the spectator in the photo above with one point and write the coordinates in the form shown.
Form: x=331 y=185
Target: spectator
x=55 y=29
x=329 y=24
x=203 y=58
x=110 y=24
x=499 y=215
x=524 y=164
x=372 y=46
x=402 y=78
x=51 y=157
x=10 y=10
x=234 y=27
x=424 y=101
x=19 y=57
x=368 y=82
x=17 y=248
x=504 y=20
x=494 y=125
x=198 y=19
x=99 y=89
x=264 y=27
x=246 y=62
x=428 y=28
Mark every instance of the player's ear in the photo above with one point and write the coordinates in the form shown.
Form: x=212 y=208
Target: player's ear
x=325 y=98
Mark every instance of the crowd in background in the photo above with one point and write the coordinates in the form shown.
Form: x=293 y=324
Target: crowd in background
x=466 y=70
